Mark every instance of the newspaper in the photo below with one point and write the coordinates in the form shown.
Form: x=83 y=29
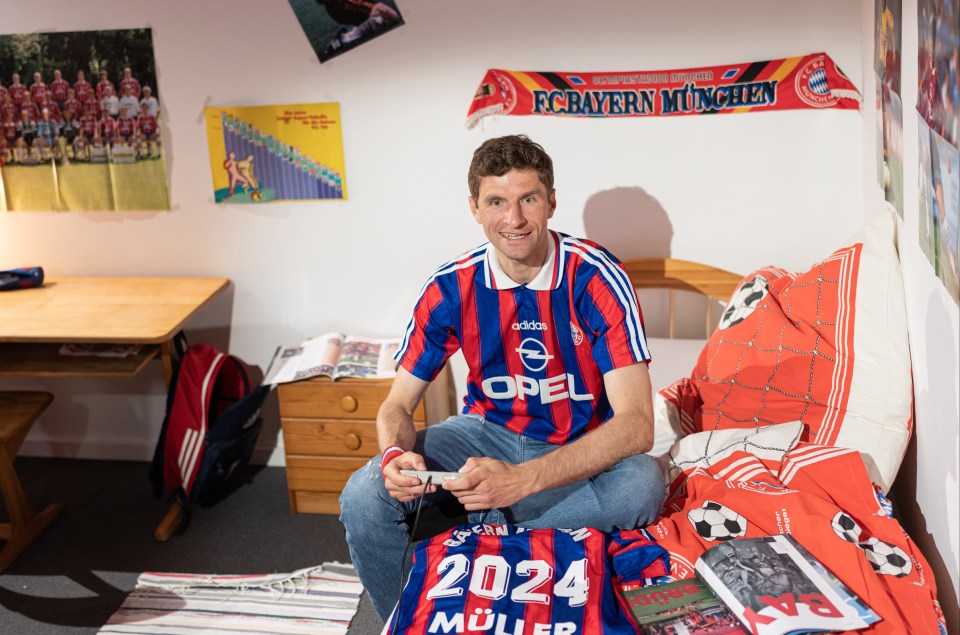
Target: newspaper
x=334 y=355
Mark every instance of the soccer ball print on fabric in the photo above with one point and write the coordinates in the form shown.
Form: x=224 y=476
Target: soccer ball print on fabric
x=744 y=301
x=713 y=522
x=886 y=558
x=846 y=527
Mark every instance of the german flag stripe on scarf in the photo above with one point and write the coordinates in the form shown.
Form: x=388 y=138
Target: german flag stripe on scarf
x=810 y=81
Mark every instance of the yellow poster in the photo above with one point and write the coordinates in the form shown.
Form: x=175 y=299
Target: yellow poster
x=260 y=154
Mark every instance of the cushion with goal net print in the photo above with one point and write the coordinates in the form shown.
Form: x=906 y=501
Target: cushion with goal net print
x=826 y=347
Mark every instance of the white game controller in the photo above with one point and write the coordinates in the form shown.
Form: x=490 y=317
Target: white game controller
x=435 y=477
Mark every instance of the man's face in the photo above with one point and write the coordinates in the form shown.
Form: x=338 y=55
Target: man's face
x=513 y=210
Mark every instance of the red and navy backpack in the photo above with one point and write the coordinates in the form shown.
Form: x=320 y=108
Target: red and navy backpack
x=210 y=428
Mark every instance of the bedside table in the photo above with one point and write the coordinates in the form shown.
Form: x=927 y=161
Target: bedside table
x=330 y=430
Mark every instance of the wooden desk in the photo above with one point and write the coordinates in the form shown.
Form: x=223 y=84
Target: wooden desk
x=147 y=311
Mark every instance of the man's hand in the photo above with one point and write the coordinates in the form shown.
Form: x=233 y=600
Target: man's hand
x=401 y=487
x=490 y=484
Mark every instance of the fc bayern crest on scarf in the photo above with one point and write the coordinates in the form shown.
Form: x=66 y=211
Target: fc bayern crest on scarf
x=810 y=81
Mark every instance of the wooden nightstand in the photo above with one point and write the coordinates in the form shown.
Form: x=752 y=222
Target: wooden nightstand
x=329 y=431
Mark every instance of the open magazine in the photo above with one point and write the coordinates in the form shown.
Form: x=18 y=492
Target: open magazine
x=775 y=586
x=334 y=355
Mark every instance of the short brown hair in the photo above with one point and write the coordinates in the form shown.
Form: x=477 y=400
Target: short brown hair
x=497 y=156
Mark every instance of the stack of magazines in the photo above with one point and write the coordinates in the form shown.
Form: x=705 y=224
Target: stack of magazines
x=769 y=585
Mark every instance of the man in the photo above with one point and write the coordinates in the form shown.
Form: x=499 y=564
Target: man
x=47 y=128
x=8 y=108
x=148 y=130
x=27 y=127
x=83 y=89
x=38 y=90
x=126 y=127
x=153 y=106
x=48 y=102
x=17 y=90
x=72 y=104
x=128 y=81
x=89 y=123
x=110 y=104
x=31 y=107
x=558 y=408
x=129 y=104
x=103 y=85
x=59 y=88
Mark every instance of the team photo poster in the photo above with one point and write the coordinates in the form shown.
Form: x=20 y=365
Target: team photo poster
x=260 y=154
x=80 y=122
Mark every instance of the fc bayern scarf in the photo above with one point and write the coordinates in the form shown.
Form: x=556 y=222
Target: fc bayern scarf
x=810 y=81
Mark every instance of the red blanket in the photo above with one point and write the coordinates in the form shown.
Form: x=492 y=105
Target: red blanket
x=770 y=483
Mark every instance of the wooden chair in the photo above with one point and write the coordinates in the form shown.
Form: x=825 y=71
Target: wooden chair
x=18 y=412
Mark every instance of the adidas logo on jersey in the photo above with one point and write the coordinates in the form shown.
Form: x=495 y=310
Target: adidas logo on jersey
x=528 y=325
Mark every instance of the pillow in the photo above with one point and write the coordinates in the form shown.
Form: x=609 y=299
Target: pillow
x=670 y=360
x=827 y=347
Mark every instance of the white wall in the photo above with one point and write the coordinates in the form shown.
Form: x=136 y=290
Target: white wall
x=736 y=191
x=927 y=490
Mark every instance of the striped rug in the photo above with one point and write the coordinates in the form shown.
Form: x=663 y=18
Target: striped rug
x=319 y=600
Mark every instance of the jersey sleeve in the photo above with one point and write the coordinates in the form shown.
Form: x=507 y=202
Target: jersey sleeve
x=612 y=313
x=636 y=558
x=430 y=338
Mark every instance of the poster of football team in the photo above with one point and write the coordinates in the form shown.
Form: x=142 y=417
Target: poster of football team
x=80 y=122
x=938 y=95
x=260 y=154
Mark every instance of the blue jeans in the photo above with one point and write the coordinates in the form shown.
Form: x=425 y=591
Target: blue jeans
x=628 y=495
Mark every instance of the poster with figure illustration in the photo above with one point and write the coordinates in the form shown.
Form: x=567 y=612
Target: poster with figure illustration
x=260 y=154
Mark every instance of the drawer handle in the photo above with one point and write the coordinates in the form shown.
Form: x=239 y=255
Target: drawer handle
x=348 y=403
x=352 y=442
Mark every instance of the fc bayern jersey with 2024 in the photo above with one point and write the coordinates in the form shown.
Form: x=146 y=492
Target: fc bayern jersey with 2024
x=536 y=352
x=506 y=580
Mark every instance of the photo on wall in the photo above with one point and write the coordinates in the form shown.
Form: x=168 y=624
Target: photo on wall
x=81 y=122
x=938 y=61
x=940 y=207
x=260 y=154
x=334 y=27
x=892 y=117
x=887 y=43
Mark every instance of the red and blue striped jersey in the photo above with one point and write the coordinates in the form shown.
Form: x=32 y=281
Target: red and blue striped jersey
x=536 y=352
x=506 y=579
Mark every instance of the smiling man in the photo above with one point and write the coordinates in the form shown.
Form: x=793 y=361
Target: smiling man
x=558 y=409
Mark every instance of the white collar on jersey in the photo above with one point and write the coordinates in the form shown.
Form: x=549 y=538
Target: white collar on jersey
x=498 y=279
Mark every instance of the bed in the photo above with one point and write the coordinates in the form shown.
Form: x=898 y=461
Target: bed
x=793 y=415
